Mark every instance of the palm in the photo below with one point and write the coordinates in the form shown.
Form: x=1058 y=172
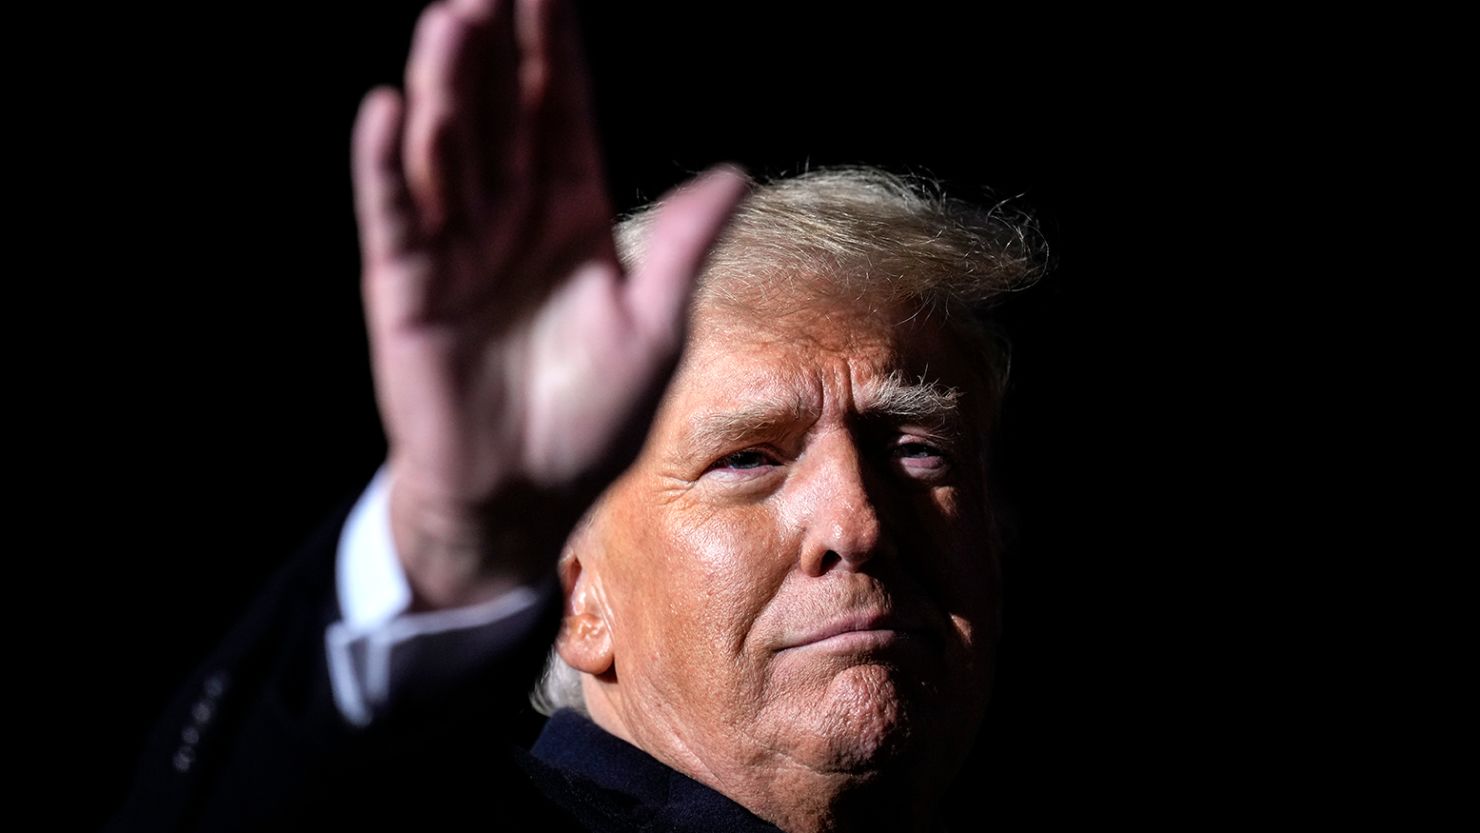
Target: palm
x=509 y=346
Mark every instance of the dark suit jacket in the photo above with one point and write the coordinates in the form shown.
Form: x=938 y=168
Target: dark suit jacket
x=255 y=742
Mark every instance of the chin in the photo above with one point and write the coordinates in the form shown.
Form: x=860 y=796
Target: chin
x=865 y=721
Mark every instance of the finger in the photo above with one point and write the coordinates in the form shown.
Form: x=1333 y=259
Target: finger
x=689 y=221
x=506 y=116
x=479 y=83
x=492 y=84
x=438 y=141
x=383 y=207
x=478 y=11
x=503 y=131
x=569 y=146
x=532 y=31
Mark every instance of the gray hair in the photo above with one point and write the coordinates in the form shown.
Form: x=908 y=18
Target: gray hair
x=853 y=232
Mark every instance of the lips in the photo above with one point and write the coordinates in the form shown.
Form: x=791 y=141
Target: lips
x=862 y=630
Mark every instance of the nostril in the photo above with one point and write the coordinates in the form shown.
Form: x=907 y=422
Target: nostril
x=830 y=559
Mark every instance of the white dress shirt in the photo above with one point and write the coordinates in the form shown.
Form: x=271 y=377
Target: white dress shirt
x=378 y=649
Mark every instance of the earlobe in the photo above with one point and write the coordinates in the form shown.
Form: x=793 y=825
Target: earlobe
x=585 y=640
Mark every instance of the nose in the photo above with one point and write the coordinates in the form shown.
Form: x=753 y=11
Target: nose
x=844 y=527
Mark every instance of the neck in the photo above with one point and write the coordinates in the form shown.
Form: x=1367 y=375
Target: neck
x=904 y=795
x=837 y=803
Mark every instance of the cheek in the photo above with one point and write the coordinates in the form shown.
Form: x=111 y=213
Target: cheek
x=965 y=577
x=696 y=582
x=736 y=561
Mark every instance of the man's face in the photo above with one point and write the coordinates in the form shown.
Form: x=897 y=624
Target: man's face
x=797 y=570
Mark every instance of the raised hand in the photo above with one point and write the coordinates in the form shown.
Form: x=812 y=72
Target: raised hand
x=515 y=361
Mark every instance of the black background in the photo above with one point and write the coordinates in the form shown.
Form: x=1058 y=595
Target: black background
x=224 y=401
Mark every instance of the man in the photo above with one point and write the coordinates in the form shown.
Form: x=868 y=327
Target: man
x=748 y=432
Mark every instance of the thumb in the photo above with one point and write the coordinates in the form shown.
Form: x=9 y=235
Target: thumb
x=689 y=221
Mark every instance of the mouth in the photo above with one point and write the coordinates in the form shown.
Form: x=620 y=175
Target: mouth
x=866 y=631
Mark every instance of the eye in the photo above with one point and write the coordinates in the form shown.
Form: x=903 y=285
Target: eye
x=742 y=460
x=921 y=459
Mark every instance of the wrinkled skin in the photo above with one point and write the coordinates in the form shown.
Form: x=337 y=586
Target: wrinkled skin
x=713 y=571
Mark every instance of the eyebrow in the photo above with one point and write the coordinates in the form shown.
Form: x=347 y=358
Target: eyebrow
x=923 y=400
x=756 y=417
x=895 y=398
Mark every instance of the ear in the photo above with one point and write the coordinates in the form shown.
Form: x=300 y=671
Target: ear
x=585 y=640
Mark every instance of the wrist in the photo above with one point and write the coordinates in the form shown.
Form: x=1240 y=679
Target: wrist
x=456 y=553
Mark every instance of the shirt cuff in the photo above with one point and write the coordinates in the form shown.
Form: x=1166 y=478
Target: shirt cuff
x=378 y=651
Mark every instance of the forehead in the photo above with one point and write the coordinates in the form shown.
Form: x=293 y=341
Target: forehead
x=812 y=354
